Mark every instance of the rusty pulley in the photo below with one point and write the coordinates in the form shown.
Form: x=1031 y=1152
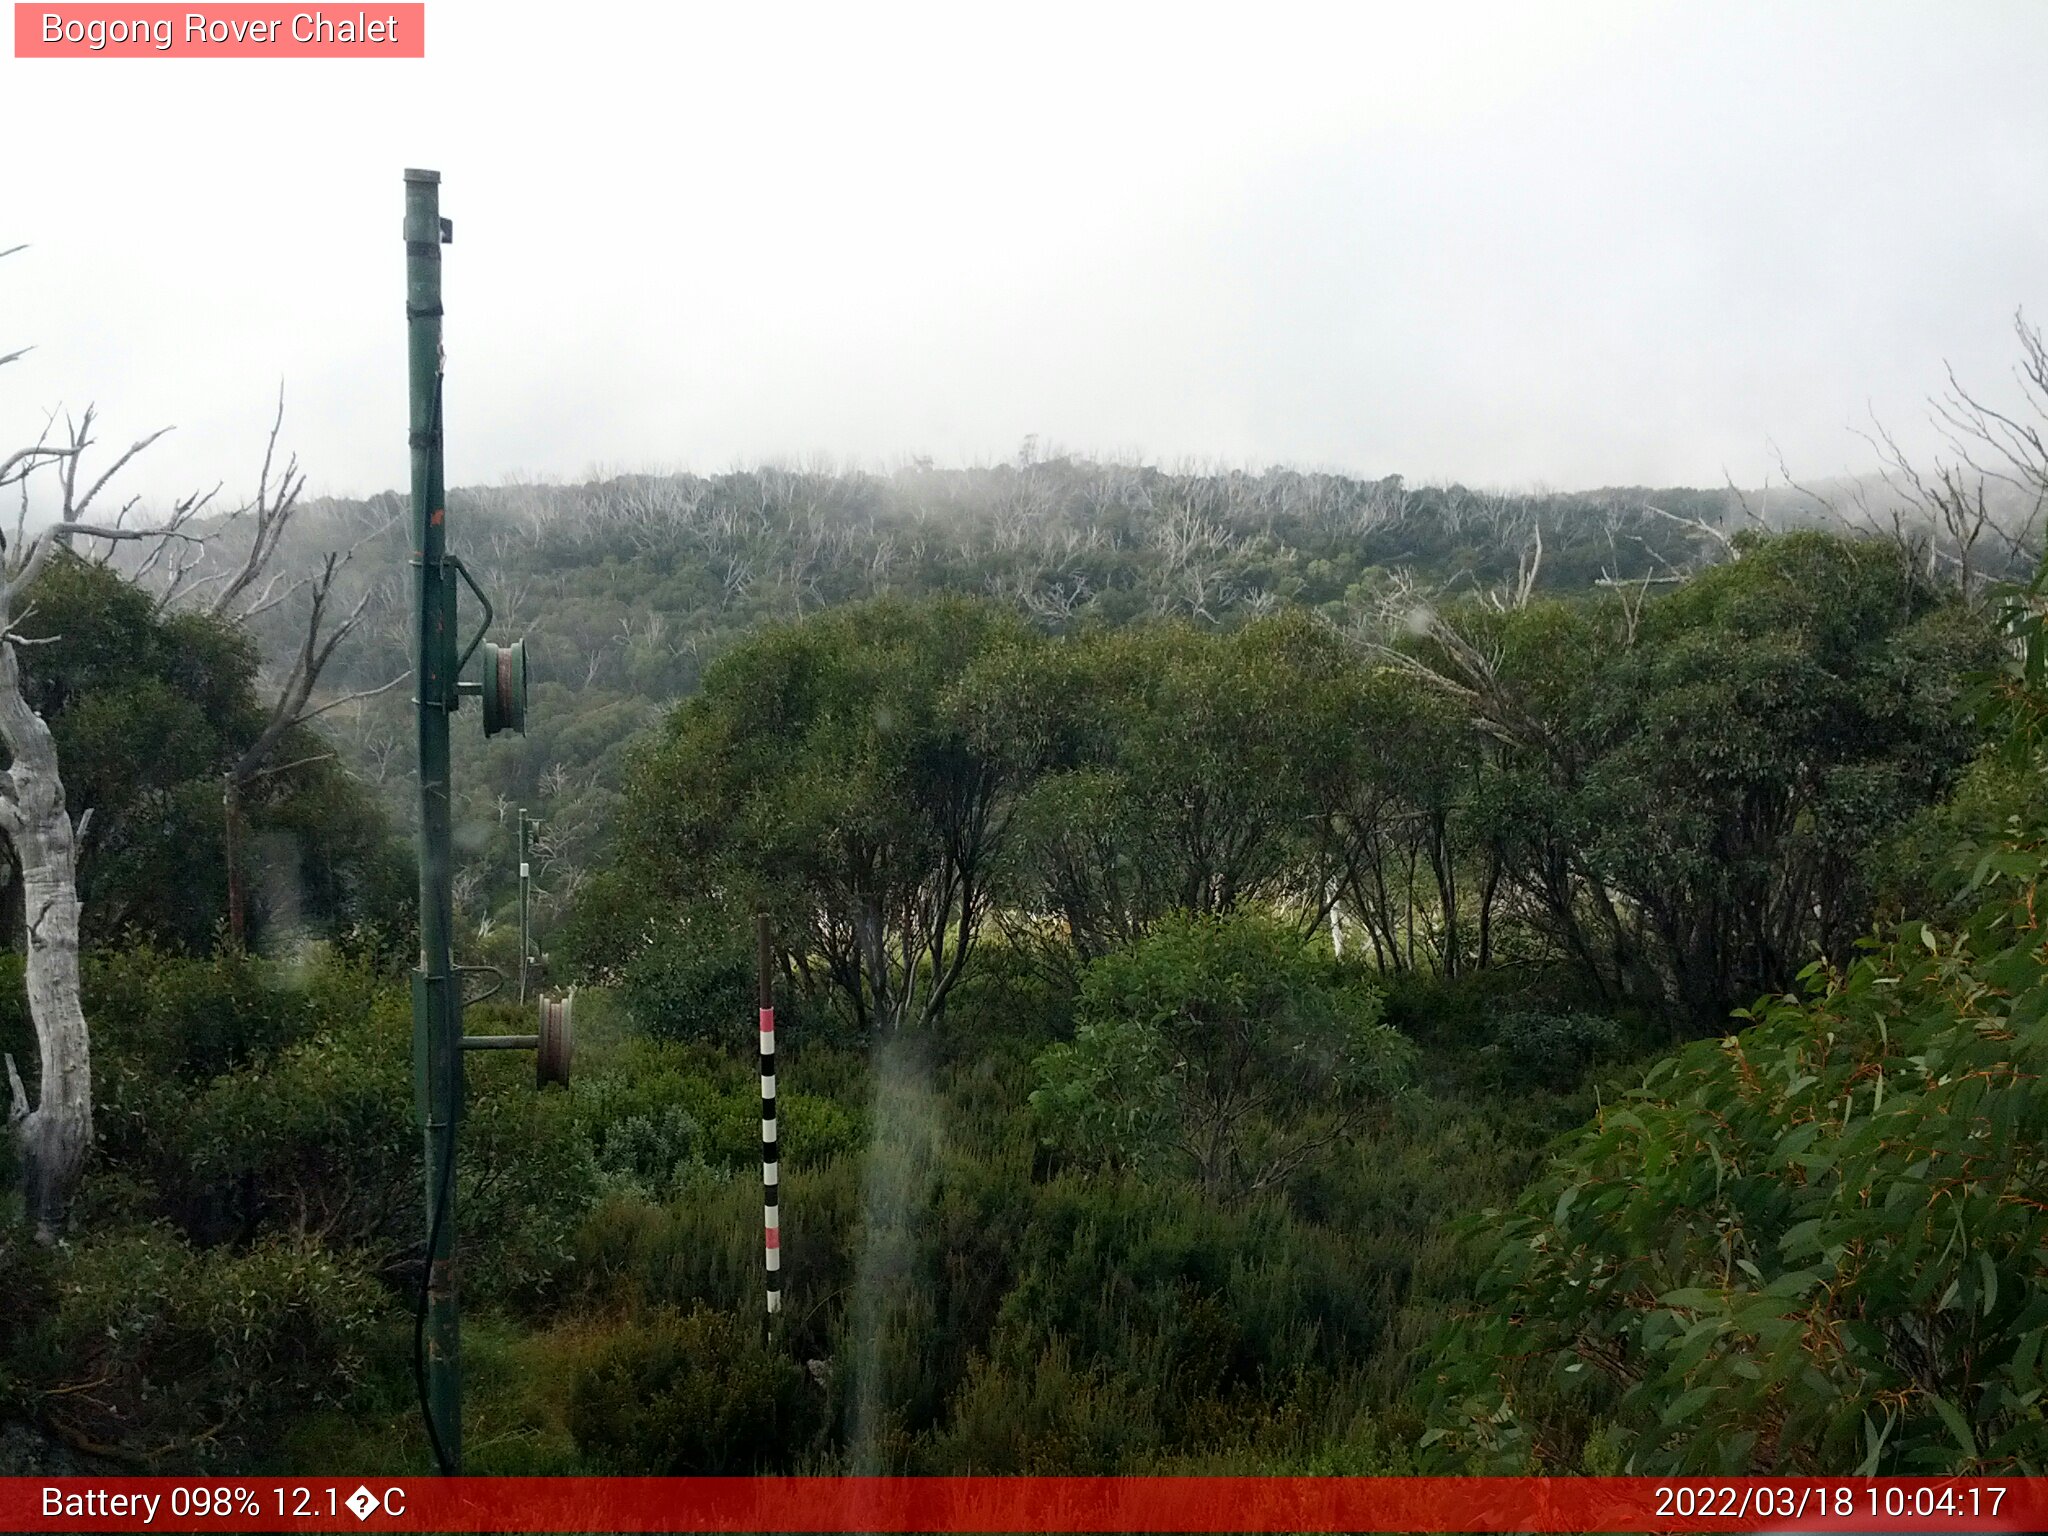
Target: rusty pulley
x=504 y=687
x=557 y=1041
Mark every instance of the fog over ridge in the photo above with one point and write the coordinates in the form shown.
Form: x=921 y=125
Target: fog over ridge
x=1565 y=246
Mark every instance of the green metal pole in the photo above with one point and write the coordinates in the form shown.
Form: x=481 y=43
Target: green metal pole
x=437 y=1006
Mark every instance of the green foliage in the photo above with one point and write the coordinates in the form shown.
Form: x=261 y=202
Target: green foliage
x=1220 y=1046
x=1178 y=1290
x=1127 y=1323
x=705 y=1246
x=1100 y=853
x=1012 y=1007
x=696 y=1393
x=238 y=1100
x=1810 y=1246
x=1047 y=1418
x=164 y=1026
x=149 y=711
x=651 y=579
x=661 y=1112
x=320 y=1141
x=189 y=1018
x=1554 y=1049
x=693 y=977
x=1183 y=1324
x=1184 y=773
x=613 y=918
x=1691 y=796
x=1406 y=822
x=1180 y=1325
x=834 y=774
x=1814 y=1244
x=1684 y=800
x=160 y=1346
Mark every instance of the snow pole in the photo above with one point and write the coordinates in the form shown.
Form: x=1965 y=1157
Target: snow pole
x=771 y=1174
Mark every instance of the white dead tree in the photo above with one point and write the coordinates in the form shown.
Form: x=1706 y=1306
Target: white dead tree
x=54 y=1132
x=1515 y=596
x=1730 y=550
x=1973 y=515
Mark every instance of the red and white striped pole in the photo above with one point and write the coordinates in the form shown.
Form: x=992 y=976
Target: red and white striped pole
x=771 y=1174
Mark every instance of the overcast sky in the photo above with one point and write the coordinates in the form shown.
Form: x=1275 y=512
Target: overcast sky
x=1528 y=245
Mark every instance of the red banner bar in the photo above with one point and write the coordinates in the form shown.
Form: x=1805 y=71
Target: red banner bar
x=375 y=30
x=996 y=1504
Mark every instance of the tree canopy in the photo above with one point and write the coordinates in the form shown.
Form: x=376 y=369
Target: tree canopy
x=149 y=711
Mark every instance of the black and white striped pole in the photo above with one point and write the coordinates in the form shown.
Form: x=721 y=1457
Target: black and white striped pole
x=771 y=1173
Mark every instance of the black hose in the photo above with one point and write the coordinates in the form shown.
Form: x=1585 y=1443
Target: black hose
x=419 y=1320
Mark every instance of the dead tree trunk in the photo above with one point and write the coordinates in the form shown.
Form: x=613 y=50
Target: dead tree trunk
x=55 y=1134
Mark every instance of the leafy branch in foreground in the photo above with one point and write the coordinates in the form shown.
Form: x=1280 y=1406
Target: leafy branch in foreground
x=1811 y=1246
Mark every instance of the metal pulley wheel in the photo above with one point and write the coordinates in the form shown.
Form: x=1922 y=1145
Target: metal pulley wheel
x=557 y=1041
x=504 y=687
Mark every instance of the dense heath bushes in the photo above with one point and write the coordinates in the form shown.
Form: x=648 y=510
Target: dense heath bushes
x=1164 y=1185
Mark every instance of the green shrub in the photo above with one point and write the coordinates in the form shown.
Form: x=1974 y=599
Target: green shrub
x=1152 y=1277
x=705 y=1247
x=28 y=1278
x=527 y=1181
x=1045 y=1417
x=1811 y=1246
x=1007 y=1006
x=165 y=1349
x=1553 y=1050
x=1219 y=1047
x=163 y=1026
x=654 y=1155
x=322 y=1140
x=693 y=979
x=662 y=1109
x=192 y=1019
x=693 y=1393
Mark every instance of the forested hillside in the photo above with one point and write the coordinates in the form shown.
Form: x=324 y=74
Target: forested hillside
x=625 y=590
x=1199 y=901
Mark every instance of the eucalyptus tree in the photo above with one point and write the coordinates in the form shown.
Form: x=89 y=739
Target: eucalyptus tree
x=855 y=775
x=1187 y=772
x=1691 y=793
x=1813 y=1243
